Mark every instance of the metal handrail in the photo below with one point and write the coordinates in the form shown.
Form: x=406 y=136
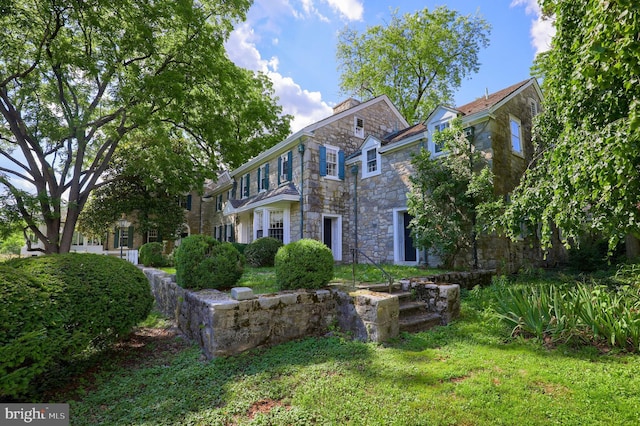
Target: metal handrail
x=353 y=268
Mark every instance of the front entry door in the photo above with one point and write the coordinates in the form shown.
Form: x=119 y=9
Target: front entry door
x=409 y=249
x=332 y=235
x=327 y=237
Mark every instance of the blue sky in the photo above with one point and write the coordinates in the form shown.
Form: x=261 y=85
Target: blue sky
x=294 y=42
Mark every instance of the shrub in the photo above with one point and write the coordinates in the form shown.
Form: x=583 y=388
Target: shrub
x=202 y=262
x=262 y=252
x=303 y=264
x=151 y=254
x=240 y=247
x=54 y=307
x=225 y=264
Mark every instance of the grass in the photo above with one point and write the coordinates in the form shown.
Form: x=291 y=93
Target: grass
x=467 y=373
x=262 y=280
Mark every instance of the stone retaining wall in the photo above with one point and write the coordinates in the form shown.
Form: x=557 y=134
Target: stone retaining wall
x=223 y=325
x=466 y=280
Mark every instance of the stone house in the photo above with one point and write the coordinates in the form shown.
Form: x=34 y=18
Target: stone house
x=499 y=124
x=297 y=188
x=344 y=180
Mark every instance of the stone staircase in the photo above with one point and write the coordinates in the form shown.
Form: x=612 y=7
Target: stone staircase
x=414 y=315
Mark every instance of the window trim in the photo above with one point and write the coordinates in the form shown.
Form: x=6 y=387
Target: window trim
x=358 y=127
x=245 y=189
x=515 y=120
x=285 y=176
x=438 y=127
x=263 y=177
x=371 y=145
x=324 y=163
x=262 y=222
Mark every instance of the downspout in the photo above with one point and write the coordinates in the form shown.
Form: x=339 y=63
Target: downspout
x=200 y=216
x=354 y=172
x=301 y=151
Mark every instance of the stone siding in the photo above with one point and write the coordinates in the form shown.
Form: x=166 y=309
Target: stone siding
x=330 y=196
x=378 y=196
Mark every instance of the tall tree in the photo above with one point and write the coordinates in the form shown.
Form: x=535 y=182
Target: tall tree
x=81 y=79
x=445 y=194
x=587 y=170
x=418 y=59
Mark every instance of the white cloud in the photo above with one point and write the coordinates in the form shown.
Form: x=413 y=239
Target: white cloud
x=349 y=9
x=542 y=29
x=306 y=107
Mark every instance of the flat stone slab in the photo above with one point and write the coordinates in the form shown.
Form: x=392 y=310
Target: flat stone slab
x=242 y=293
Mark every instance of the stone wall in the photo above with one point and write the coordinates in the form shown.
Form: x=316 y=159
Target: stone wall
x=466 y=280
x=226 y=325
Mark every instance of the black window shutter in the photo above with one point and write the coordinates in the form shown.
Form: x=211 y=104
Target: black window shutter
x=189 y=202
x=266 y=176
x=279 y=169
x=130 y=237
x=289 y=165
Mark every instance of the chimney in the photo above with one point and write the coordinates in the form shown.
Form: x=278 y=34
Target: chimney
x=345 y=105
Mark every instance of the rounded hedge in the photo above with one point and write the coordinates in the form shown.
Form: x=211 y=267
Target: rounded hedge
x=262 y=252
x=304 y=263
x=203 y=262
x=151 y=254
x=56 y=306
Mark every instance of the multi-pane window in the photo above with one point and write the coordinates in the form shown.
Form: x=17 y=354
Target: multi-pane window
x=152 y=235
x=332 y=162
x=276 y=224
x=229 y=233
x=516 y=135
x=372 y=160
x=263 y=177
x=438 y=147
x=285 y=167
x=258 y=223
x=124 y=237
x=244 y=186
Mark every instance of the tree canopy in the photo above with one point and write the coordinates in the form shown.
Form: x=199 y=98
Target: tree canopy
x=445 y=194
x=586 y=174
x=418 y=60
x=83 y=83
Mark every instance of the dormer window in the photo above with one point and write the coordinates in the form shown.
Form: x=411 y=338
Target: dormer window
x=359 y=127
x=370 y=158
x=439 y=147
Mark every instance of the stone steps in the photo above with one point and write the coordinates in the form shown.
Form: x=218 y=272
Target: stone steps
x=413 y=316
x=418 y=322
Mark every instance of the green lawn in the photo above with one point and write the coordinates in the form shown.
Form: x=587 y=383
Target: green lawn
x=262 y=280
x=467 y=373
